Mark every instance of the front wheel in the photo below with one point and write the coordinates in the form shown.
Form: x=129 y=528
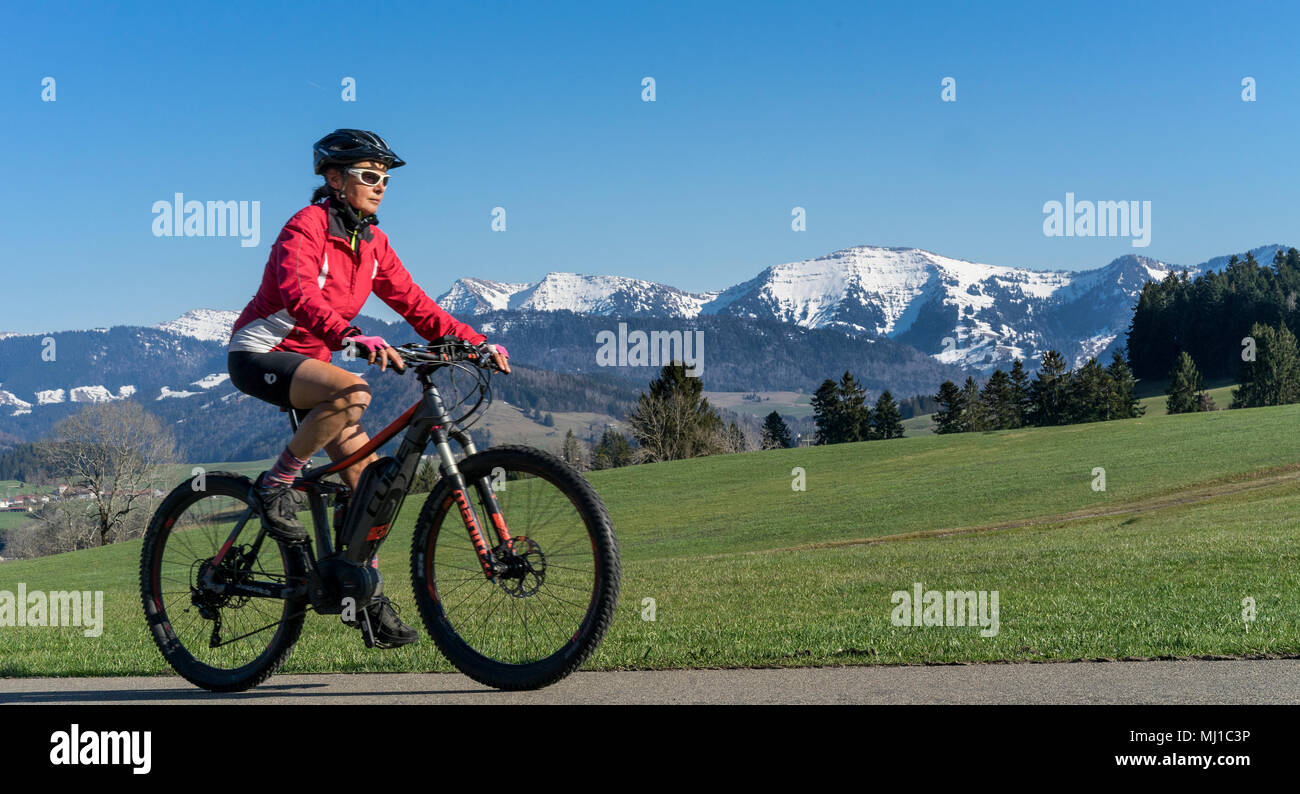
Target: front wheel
x=541 y=616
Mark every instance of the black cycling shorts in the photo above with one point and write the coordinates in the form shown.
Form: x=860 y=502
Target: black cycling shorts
x=265 y=376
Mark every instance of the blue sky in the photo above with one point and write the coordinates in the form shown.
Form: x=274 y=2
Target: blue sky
x=760 y=107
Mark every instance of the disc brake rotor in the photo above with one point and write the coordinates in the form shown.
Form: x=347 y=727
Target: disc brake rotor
x=525 y=566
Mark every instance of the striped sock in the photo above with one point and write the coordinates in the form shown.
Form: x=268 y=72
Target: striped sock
x=284 y=471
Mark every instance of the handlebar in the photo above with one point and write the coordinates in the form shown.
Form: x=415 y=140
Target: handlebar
x=448 y=350
x=453 y=353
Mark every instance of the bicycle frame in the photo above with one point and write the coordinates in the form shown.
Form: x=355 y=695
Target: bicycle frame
x=425 y=421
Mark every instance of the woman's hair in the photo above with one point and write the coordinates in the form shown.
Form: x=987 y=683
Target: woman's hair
x=324 y=190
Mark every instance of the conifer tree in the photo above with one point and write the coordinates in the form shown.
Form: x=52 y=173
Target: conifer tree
x=1020 y=395
x=975 y=417
x=612 y=450
x=1273 y=378
x=1184 y=387
x=1050 y=389
x=886 y=419
x=997 y=399
x=828 y=413
x=950 y=417
x=1088 y=394
x=855 y=414
x=1124 y=404
x=776 y=433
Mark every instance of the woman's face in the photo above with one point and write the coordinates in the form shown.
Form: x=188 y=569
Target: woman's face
x=363 y=198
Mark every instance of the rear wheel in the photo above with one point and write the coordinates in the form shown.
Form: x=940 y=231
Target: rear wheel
x=540 y=618
x=217 y=641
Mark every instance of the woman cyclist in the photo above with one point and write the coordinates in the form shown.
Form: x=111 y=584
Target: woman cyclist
x=327 y=260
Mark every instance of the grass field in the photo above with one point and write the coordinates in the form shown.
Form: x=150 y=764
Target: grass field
x=786 y=403
x=1152 y=397
x=14 y=520
x=922 y=425
x=1155 y=397
x=1198 y=513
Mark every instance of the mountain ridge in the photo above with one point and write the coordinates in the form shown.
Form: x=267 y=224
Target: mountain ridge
x=960 y=312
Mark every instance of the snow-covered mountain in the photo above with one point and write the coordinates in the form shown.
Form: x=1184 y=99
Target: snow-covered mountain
x=964 y=313
x=603 y=295
x=1263 y=255
x=960 y=312
x=182 y=381
x=210 y=325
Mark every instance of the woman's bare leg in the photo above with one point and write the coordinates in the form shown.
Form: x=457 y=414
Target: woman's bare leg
x=337 y=400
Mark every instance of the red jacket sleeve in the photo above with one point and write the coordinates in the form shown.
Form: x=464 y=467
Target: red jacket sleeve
x=394 y=286
x=296 y=263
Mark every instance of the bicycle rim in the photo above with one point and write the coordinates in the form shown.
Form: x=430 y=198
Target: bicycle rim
x=248 y=628
x=539 y=615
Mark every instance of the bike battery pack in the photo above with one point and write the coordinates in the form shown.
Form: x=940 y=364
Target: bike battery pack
x=374 y=503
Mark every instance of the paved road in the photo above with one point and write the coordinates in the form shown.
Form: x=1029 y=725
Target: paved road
x=1231 y=682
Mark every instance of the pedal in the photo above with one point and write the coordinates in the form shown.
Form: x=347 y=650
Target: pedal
x=367 y=631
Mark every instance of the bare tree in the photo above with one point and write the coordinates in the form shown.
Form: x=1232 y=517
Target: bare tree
x=58 y=526
x=118 y=451
x=574 y=452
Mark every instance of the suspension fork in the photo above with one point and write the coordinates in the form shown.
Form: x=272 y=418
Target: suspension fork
x=478 y=535
x=487 y=494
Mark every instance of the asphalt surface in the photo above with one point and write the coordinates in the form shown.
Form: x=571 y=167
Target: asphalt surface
x=1157 y=682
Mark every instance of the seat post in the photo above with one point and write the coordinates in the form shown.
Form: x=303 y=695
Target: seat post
x=294 y=421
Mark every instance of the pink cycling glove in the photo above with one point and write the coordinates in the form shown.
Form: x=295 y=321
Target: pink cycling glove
x=375 y=343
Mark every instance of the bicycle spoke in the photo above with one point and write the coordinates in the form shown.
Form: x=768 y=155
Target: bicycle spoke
x=198 y=531
x=518 y=618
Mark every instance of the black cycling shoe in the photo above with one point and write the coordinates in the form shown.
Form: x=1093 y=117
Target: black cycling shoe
x=280 y=504
x=386 y=630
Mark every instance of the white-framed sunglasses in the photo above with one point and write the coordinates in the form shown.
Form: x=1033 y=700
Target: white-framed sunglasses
x=370 y=177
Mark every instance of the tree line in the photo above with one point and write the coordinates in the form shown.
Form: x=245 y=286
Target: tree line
x=1208 y=316
x=1268 y=374
x=1057 y=395
x=841 y=413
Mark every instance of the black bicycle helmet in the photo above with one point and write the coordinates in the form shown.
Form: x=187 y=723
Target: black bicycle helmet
x=344 y=147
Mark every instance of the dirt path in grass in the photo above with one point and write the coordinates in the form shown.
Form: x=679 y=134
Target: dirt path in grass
x=1204 y=492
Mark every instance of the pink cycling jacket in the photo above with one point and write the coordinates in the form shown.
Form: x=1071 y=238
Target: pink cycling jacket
x=314 y=284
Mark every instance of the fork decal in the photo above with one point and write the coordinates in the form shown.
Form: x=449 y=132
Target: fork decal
x=475 y=536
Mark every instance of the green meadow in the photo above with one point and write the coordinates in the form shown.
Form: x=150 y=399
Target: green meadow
x=1149 y=537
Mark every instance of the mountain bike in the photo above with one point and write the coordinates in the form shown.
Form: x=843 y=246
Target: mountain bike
x=514 y=563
